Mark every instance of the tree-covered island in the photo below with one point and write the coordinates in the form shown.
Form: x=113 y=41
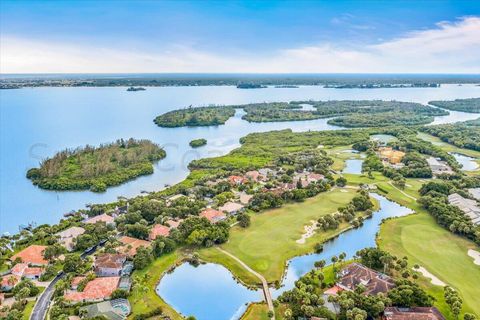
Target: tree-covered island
x=195 y=117
x=97 y=168
x=466 y=105
x=197 y=143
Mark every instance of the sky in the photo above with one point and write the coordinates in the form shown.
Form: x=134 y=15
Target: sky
x=239 y=36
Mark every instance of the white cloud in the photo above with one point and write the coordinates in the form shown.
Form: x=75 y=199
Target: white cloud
x=448 y=48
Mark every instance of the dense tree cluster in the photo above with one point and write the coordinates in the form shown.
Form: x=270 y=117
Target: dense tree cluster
x=192 y=117
x=466 y=105
x=197 y=143
x=463 y=135
x=97 y=168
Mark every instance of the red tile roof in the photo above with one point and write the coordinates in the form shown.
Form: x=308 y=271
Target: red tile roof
x=76 y=281
x=109 y=260
x=97 y=289
x=100 y=218
x=131 y=245
x=213 y=215
x=10 y=281
x=415 y=313
x=173 y=223
x=237 y=180
x=333 y=290
x=357 y=274
x=159 y=230
x=31 y=255
x=23 y=270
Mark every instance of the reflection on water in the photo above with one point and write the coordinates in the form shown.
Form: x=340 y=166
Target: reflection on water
x=353 y=166
x=468 y=163
x=213 y=294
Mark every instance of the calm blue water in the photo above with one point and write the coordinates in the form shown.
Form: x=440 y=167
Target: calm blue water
x=353 y=166
x=468 y=163
x=36 y=123
x=213 y=294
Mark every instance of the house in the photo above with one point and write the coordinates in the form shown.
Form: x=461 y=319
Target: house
x=356 y=274
x=415 y=313
x=159 y=230
x=237 y=180
x=439 y=167
x=213 y=215
x=389 y=155
x=173 y=224
x=22 y=270
x=267 y=172
x=32 y=255
x=109 y=220
x=98 y=289
x=231 y=208
x=244 y=198
x=66 y=237
x=117 y=309
x=131 y=245
x=255 y=176
x=171 y=199
x=76 y=282
x=109 y=265
x=468 y=206
x=315 y=177
x=9 y=282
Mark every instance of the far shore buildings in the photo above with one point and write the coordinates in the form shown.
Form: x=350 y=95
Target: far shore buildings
x=32 y=255
x=356 y=274
x=438 y=166
x=67 y=237
x=414 y=313
x=468 y=206
x=213 y=215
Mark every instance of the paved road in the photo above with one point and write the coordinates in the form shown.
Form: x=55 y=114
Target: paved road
x=266 y=289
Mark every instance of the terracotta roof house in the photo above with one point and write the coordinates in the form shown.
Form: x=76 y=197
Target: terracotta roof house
x=109 y=265
x=415 y=313
x=244 y=198
x=237 y=180
x=213 y=215
x=23 y=270
x=9 y=282
x=131 y=245
x=67 y=236
x=357 y=274
x=98 y=289
x=173 y=223
x=158 y=230
x=76 y=281
x=231 y=207
x=32 y=255
x=314 y=177
x=101 y=218
x=255 y=176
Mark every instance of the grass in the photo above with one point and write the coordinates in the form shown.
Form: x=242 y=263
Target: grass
x=339 y=155
x=259 y=311
x=442 y=253
x=143 y=297
x=28 y=310
x=271 y=239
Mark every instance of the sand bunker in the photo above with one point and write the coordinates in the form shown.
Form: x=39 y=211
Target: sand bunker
x=309 y=231
x=434 y=280
x=475 y=255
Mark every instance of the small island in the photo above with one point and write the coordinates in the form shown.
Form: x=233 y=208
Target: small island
x=195 y=117
x=286 y=86
x=97 y=168
x=197 y=143
x=465 y=105
x=250 y=86
x=136 y=89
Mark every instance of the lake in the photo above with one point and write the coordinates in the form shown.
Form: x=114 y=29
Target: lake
x=214 y=294
x=468 y=163
x=35 y=123
x=353 y=166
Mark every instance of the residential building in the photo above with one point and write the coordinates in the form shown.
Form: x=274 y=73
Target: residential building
x=171 y=199
x=213 y=215
x=9 y=282
x=468 y=206
x=356 y=274
x=98 y=289
x=390 y=155
x=109 y=220
x=117 y=309
x=131 y=245
x=22 y=270
x=438 y=166
x=414 y=313
x=67 y=236
x=267 y=172
x=173 y=223
x=243 y=197
x=255 y=176
x=76 y=282
x=109 y=265
x=158 y=230
x=232 y=208
x=237 y=180
x=32 y=255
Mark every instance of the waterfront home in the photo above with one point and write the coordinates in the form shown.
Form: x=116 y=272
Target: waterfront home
x=109 y=265
x=131 y=245
x=22 y=270
x=98 y=289
x=32 y=255
x=468 y=206
x=213 y=215
x=9 y=282
x=117 y=309
x=232 y=208
x=66 y=237
x=158 y=230
x=356 y=274
x=414 y=313
x=237 y=180
x=438 y=166
x=109 y=220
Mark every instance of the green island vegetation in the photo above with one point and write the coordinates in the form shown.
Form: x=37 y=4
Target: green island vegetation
x=276 y=111
x=197 y=143
x=193 y=117
x=275 y=217
x=250 y=86
x=463 y=135
x=97 y=168
x=465 y=105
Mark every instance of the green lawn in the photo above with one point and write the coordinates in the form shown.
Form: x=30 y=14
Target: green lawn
x=259 y=311
x=143 y=298
x=28 y=310
x=442 y=253
x=271 y=239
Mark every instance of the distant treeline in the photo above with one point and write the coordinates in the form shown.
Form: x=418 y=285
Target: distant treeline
x=463 y=135
x=466 y=105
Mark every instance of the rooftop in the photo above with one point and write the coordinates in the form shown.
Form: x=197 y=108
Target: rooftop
x=415 y=313
x=213 y=215
x=131 y=245
x=31 y=255
x=230 y=207
x=357 y=274
x=100 y=218
x=159 y=230
x=97 y=289
x=109 y=260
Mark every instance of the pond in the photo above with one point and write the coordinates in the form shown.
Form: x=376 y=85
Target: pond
x=468 y=163
x=353 y=166
x=214 y=294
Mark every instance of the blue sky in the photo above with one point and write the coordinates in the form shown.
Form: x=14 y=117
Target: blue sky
x=238 y=36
